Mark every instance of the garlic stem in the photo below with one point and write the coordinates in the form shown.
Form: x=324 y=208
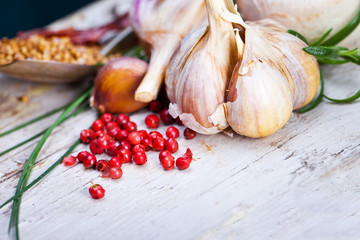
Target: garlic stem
x=160 y=58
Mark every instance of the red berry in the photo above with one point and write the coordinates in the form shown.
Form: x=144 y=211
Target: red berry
x=178 y=121
x=114 y=147
x=103 y=142
x=172 y=132
x=82 y=155
x=159 y=143
x=111 y=125
x=106 y=172
x=134 y=138
x=143 y=134
x=99 y=133
x=121 y=119
x=138 y=148
x=115 y=162
x=140 y=158
x=89 y=161
x=106 y=117
x=163 y=153
x=188 y=154
x=125 y=145
x=155 y=106
x=97 y=125
x=94 y=147
x=165 y=117
x=189 y=133
x=183 y=163
x=113 y=131
x=172 y=145
x=86 y=135
x=124 y=155
x=101 y=165
x=147 y=143
x=168 y=162
x=97 y=191
x=69 y=161
x=154 y=134
x=130 y=126
x=152 y=121
x=115 y=173
x=121 y=135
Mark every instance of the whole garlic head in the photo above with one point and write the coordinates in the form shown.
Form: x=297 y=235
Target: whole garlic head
x=273 y=78
x=161 y=25
x=310 y=18
x=200 y=70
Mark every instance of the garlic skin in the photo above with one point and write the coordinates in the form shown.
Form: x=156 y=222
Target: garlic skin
x=310 y=18
x=161 y=25
x=200 y=70
x=115 y=85
x=273 y=78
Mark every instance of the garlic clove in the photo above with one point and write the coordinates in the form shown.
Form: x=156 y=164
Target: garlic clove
x=199 y=71
x=115 y=85
x=161 y=25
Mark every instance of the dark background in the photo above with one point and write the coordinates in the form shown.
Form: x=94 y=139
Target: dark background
x=20 y=15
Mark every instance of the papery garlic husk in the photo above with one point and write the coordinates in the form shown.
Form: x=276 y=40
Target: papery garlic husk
x=115 y=85
x=199 y=71
x=308 y=17
x=162 y=25
x=273 y=77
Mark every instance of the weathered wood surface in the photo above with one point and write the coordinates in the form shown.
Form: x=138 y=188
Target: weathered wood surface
x=300 y=183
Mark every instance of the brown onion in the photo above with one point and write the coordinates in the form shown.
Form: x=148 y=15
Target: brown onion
x=115 y=85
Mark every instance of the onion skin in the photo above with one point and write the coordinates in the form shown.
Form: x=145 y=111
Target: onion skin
x=115 y=86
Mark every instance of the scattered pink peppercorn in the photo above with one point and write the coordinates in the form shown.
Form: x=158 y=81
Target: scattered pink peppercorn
x=163 y=153
x=143 y=134
x=172 y=132
x=106 y=117
x=152 y=121
x=97 y=191
x=103 y=142
x=97 y=125
x=140 y=158
x=165 y=117
x=111 y=125
x=189 y=133
x=159 y=143
x=155 y=106
x=168 y=162
x=124 y=155
x=113 y=131
x=130 y=126
x=89 y=161
x=147 y=143
x=69 y=161
x=121 y=119
x=94 y=147
x=115 y=173
x=115 y=162
x=82 y=155
x=178 y=121
x=138 y=148
x=154 y=134
x=172 y=145
x=86 y=135
x=183 y=163
x=134 y=138
x=113 y=148
x=99 y=133
x=125 y=144
x=121 y=135
x=101 y=165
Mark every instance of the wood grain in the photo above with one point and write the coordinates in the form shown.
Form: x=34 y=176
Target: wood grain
x=300 y=183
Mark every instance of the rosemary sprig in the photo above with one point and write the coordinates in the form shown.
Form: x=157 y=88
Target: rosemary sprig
x=345 y=100
x=42 y=132
x=14 y=219
x=48 y=114
x=71 y=148
x=317 y=100
x=337 y=55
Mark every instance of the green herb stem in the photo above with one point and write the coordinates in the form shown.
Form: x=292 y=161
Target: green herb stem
x=345 y=100
x=14 y=219
x=48 y=114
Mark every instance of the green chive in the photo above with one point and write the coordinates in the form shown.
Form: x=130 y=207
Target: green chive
x=321 y=39
x=345 y=100
x=296 y=34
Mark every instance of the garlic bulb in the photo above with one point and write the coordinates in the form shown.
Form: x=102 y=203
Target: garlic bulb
x=273 y=78
x=310 y=18
x=200 y=70
x=161 y=25
x=115 y=85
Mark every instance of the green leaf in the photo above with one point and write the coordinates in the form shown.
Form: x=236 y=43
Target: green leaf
x=344 y=32
x=321 y=39
x=331 y=61
x=321 y=51
x=296 y=34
